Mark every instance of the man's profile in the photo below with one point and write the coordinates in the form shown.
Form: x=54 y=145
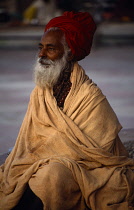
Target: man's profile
x=68 y=154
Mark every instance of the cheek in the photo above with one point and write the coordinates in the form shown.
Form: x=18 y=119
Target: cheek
x=55 y=56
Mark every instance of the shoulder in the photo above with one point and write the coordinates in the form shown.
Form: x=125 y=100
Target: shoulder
x=82 y=84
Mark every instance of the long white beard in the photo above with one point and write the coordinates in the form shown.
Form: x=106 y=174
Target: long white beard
x=48 y=75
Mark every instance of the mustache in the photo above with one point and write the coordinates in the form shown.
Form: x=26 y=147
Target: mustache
x=45 y=61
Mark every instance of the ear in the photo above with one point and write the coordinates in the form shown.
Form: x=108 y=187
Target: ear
x=70 y=56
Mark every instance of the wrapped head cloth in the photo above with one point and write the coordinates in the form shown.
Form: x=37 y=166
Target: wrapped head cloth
x=79 y=28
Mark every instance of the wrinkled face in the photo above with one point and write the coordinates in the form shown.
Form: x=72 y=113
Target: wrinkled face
x=52 y=59
x=51 y=46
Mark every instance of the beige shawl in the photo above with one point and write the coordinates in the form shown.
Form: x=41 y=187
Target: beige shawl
x=83 y=137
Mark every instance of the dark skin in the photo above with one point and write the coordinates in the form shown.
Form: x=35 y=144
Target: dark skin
x=51 y=46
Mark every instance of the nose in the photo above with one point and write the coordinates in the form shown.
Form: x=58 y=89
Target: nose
x=42 y=53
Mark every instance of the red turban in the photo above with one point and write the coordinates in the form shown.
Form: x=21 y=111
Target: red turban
x=79 y=28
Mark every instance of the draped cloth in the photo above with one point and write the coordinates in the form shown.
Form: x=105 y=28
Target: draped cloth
x=83 y=137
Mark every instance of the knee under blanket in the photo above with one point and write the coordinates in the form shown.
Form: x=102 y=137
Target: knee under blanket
x=83 y=137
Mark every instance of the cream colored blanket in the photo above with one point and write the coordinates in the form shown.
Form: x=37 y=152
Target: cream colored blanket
x=83 y=137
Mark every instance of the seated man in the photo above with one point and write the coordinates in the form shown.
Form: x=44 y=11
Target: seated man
x=68 y=154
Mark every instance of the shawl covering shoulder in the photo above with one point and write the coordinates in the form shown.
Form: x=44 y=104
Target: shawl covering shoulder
x=82 y=137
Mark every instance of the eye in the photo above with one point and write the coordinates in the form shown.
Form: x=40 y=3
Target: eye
x=39 y=47
x=51 y=49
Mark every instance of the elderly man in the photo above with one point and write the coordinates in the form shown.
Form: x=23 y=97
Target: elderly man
x=68 y=154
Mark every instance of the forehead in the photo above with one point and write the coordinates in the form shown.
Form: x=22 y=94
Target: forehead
x=52 y=37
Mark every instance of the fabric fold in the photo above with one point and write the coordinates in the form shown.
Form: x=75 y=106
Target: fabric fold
x=80 y=137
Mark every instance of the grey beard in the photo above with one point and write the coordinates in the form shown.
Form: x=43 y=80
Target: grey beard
x=48 y=75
